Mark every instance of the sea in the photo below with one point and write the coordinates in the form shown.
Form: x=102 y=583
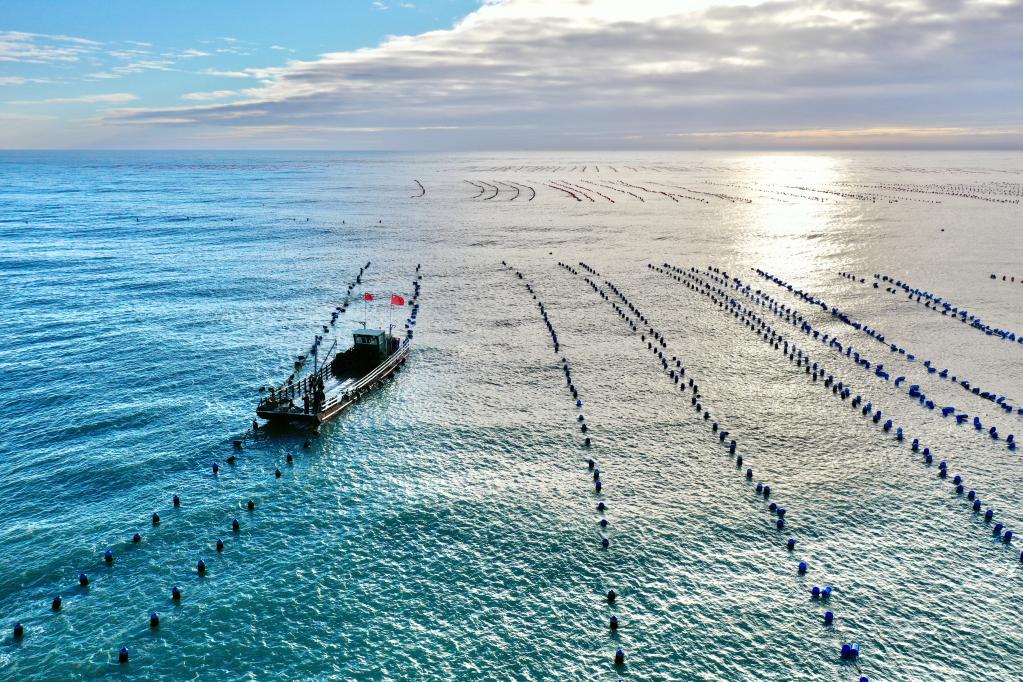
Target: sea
x=446 y=526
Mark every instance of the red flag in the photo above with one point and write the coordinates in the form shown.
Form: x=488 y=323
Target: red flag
x=397 y=300
x=368 y=296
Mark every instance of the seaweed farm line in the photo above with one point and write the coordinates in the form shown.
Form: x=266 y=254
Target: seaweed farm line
x=690 y=416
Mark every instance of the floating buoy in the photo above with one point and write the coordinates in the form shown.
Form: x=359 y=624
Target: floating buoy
x=815 y=592
x=603 y=523
x=154 y=620
x=605 y=543
x=619 y=658
x=289 y=459
x=802 y=567
x=177 y=501
x=216 y=468
x=749 y=473
x=590 y=464
x=601 y=506
x=220 y=545
x=57 y=601
x=136 y=538
x=1007 y=537
x=108 y=556
x=611 y=596
x=251 y=505
x=201 y=567
x=231 y=459
x=597 y=485
x=235 y=526
x=122 y=655
x=19 y=631
x=277 y=473
x=176 y=593
x=829 y=617
x=156 y=519
x=791 y=544
x=614 y=622
x=83 y=580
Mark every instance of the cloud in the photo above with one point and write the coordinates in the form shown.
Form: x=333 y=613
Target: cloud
x=18 y=80
x=281 y=48
x=207 y=96
x=227 y=74
x=42 y=48
x=607 y=73
x=111 y=98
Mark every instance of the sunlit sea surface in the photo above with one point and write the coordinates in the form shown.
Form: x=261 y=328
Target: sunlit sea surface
x=445 y=527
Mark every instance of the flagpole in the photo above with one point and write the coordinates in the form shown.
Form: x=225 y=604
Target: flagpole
x=390 y=309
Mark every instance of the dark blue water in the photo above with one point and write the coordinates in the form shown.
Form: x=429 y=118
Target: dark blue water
x=445 y=527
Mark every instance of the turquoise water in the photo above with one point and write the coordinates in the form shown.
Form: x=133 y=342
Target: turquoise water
x=446 y=526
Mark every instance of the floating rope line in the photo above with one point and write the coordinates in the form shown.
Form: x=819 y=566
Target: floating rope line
x=730 y=306
x=598 y=482
x=87 y=582
x=948 y=309
x=675 y=370
x=1000 y=401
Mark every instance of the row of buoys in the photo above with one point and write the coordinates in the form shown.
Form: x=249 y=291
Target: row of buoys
x=1008 y=278
x=947 y=308
x=108 y=557
x=1000 y=401
x=752 y=321
x=792 y=316
x=676 y=371
x=592 y=467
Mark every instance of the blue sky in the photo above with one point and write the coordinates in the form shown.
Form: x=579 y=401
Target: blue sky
x=512 y=74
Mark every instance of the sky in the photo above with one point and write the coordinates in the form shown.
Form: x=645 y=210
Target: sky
x=511 y=74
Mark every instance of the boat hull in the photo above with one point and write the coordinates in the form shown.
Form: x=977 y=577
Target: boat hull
x=338 y=401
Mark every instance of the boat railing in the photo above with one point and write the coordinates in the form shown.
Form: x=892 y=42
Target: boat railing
x=290 y=390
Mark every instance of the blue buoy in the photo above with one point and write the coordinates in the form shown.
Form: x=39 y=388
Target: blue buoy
x=19 y=631
x=605 y=543
x=235 y=526
x=597 y=485
x=1007 y=537
x=122 y=655
x=829 y=617
x=976 y=505
x=156 y=519
x=201 y=567
x=815 y=592
x=970 y=495
x=802 y=567
x=791 y=543
x=83 y=580
x=216 y=468
x=277 y=473
x=176 y=593
x=989 y=514
x=603 y=523
x=611 y=596
x=154 y=620
x=619 y=658
x=57 y=601
x=108 y=556
x=177 y=501
x=614 y=622
x=251 y=505
x=136 y=538
x=590 y=464
x=780 y=523
x=601 y=506
x=220 y=545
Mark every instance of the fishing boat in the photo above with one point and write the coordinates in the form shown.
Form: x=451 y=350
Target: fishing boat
x=344 y=375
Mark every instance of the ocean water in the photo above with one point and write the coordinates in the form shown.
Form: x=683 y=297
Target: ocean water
x=446 y=526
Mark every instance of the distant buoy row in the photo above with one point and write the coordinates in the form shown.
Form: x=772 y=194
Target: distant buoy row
x=940 y=305
x=675 y=370
x=591 y=465
x=1001 y=401
x=1008 y=278
x=754 y=323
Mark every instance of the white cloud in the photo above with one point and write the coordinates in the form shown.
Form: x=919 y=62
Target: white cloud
x=111 y=98
x=212 y=95
x=606 y=72
x=42 y=48
x=18 y=80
